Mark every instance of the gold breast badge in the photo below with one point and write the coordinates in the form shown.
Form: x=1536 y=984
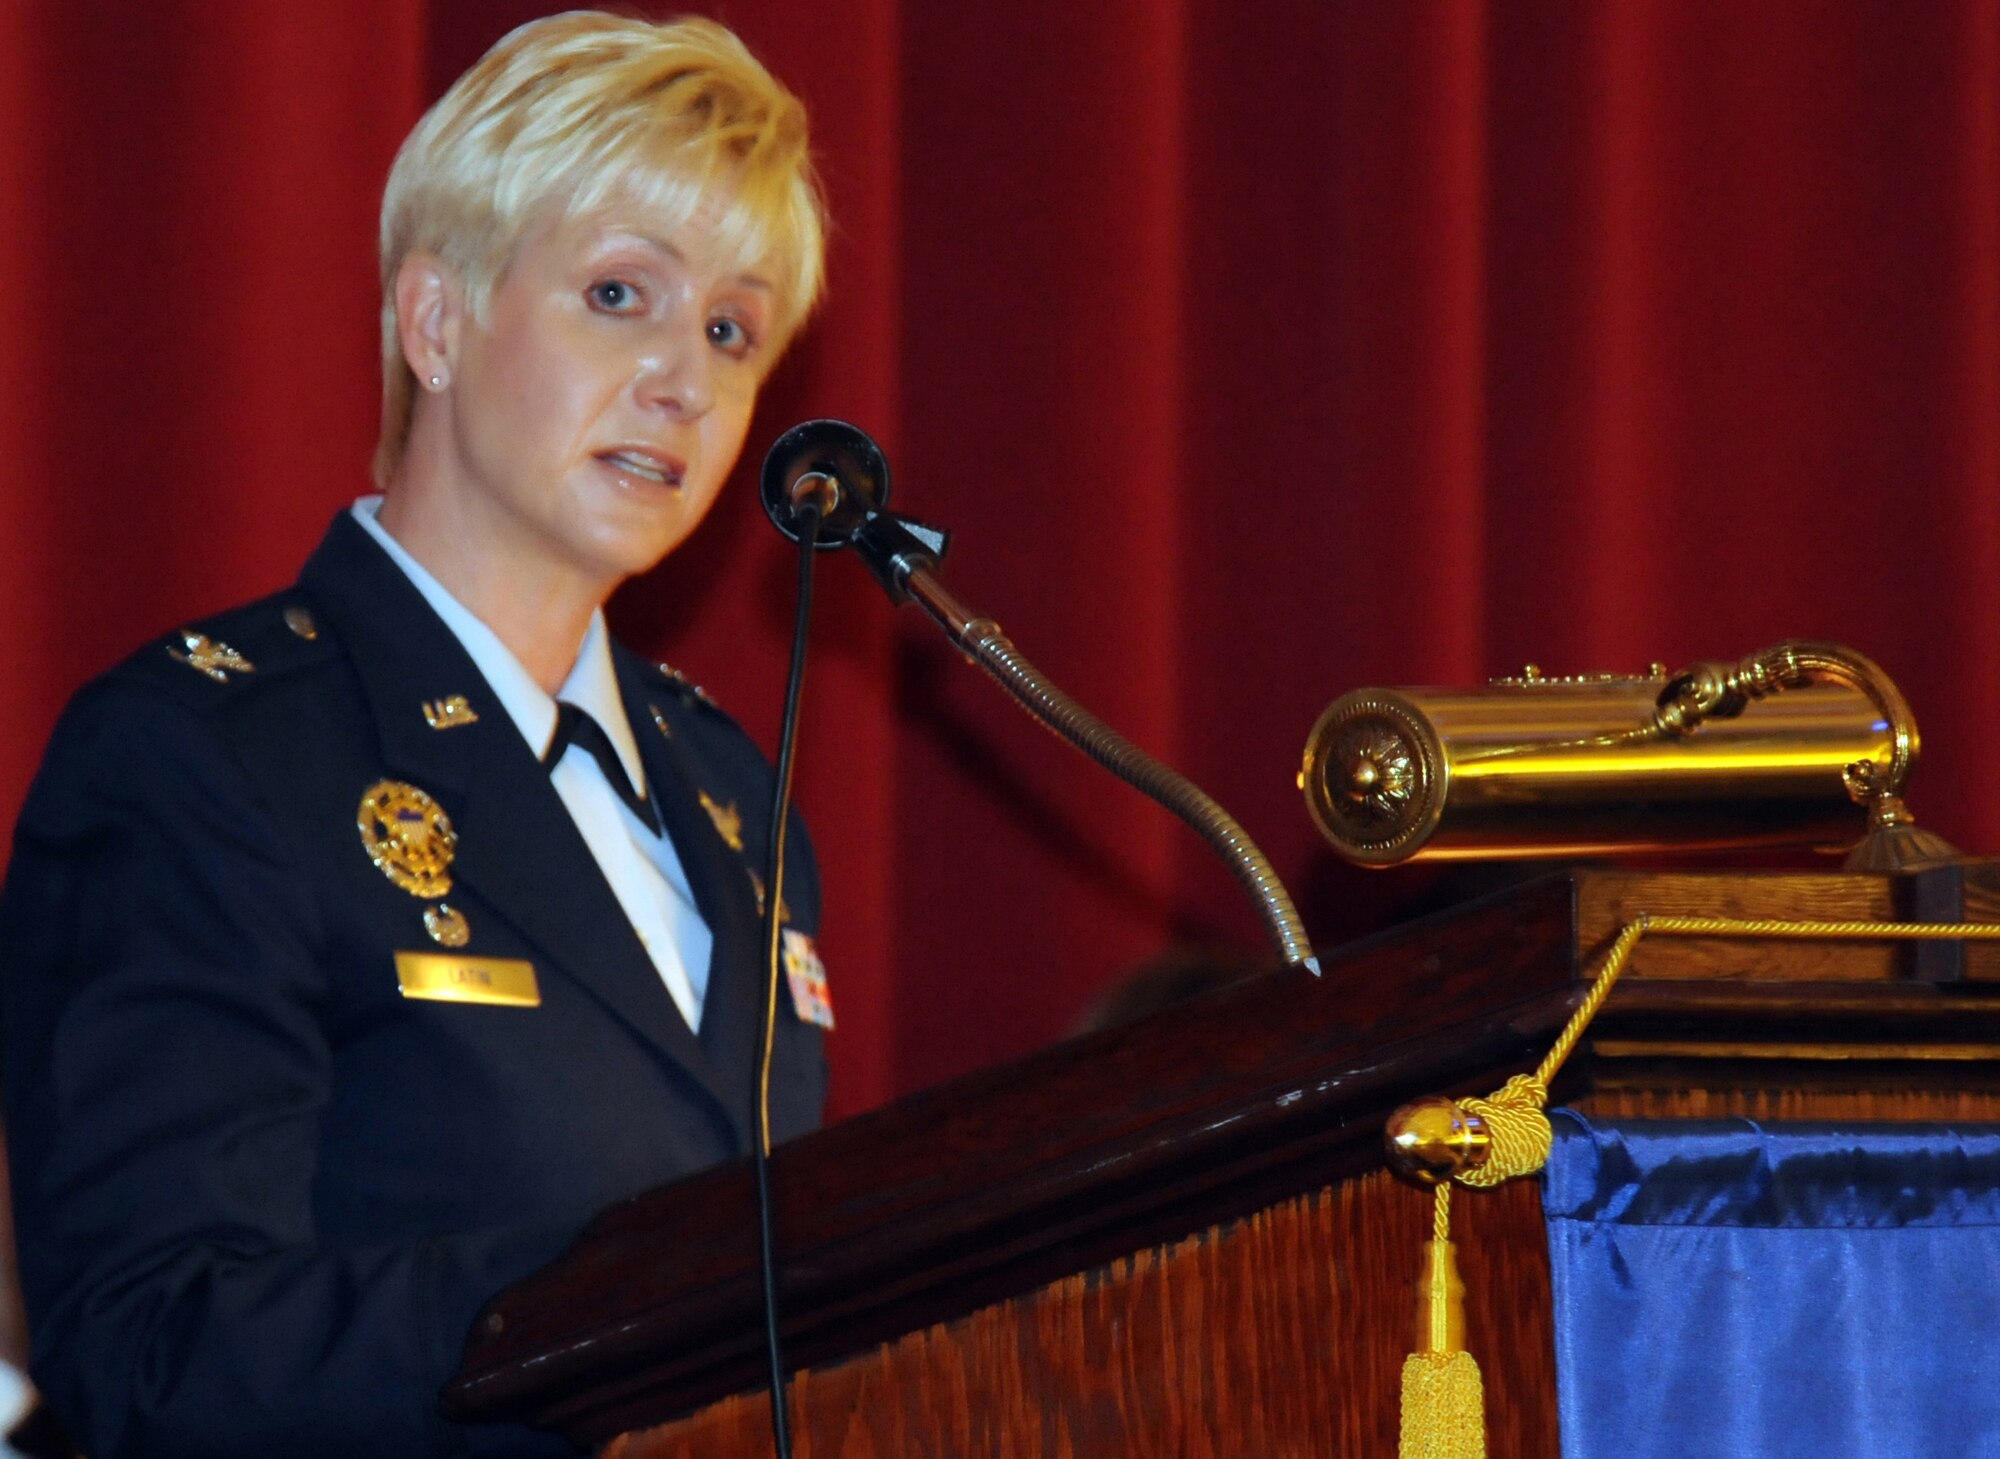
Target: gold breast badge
x=204 y=654
x=408 y=837
x=728 y=820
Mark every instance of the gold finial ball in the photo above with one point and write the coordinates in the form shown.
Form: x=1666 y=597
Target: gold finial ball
x=1430 y=1140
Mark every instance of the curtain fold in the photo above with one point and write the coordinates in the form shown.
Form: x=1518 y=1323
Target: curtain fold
x=1729 y=1288
x=1253 y=354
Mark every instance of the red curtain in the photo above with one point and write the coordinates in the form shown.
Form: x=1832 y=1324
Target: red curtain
x=1253 y=353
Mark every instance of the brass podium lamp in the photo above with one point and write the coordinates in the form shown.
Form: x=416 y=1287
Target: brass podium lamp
x=1803 y=744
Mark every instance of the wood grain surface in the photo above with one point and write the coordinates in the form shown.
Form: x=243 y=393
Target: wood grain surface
x=1000 y=1182
x=1607 y=900
x=1281 y=1336
x=1174 y=1237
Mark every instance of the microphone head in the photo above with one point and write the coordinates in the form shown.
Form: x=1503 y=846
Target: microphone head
x=847 y=456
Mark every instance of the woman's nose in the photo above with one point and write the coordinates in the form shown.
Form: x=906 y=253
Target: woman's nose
x=678 y=380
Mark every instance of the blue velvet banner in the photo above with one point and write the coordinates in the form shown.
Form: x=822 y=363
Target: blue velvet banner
x=1728 y=1289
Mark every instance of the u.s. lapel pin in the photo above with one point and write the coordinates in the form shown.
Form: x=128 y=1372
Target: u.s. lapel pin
x=449 y=712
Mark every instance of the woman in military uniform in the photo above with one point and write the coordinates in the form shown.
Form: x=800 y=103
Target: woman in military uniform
x=359 y=944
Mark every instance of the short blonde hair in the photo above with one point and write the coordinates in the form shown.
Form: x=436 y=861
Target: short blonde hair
x=573 y=112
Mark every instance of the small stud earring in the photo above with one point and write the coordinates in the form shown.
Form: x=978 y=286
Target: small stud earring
x=437 y=382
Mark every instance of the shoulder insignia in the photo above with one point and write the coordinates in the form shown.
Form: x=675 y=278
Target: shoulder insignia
x=687 y=685
x=449 y=713
x=209 y=656
x=728 y=820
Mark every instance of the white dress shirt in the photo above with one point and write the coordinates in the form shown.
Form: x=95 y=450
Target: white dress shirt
x=643 y=869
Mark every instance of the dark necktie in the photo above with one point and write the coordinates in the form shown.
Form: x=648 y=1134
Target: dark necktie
x=575 y=727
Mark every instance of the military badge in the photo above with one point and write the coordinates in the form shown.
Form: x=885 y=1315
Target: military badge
x=408 y=837
x=757 y=886
x=807 y=976
x=205 y=655
x=447 y=925
x=728 y=821
x=660 y=721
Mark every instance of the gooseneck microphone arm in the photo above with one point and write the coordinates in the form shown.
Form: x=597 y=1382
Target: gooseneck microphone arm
x=902 y=555
x=983 y=642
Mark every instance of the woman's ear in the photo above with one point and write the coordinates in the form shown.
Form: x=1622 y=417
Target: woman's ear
x=429 y=307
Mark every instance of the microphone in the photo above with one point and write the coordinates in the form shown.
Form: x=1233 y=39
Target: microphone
x=825 y=461
x=839 y=469
x=831 y=465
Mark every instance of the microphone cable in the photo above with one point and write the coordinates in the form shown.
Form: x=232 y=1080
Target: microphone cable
x=808 y=517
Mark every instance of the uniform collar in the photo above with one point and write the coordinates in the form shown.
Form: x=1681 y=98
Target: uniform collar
x=592 y=684
x=516 y=843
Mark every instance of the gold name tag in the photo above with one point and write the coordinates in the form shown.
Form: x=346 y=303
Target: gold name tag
x=449 y=979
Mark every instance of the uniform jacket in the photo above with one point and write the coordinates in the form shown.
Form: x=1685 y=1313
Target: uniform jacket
x=261 y=1194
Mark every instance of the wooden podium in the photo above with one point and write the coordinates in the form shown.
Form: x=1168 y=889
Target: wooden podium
x=1177 y=1237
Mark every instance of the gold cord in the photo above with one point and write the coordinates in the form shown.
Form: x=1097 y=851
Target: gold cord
x=1514 y=1117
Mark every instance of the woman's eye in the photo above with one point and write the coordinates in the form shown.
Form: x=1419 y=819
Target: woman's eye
x=615 y=296
x=729 y=335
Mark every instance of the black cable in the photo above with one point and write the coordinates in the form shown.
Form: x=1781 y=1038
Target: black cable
x=774 y=895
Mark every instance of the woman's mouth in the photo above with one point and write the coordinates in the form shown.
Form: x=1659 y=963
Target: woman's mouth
x=661 y=470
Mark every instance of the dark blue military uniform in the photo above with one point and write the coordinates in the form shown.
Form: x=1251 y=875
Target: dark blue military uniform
x=260 y=1193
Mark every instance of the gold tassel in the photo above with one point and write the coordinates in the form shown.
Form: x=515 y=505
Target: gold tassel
x=1444 y=1398
x=1444 y=1403
x=1443 y=1395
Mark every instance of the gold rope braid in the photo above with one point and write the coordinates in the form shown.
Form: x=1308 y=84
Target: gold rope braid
x=1440 y=1320
x=1514 y=1117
